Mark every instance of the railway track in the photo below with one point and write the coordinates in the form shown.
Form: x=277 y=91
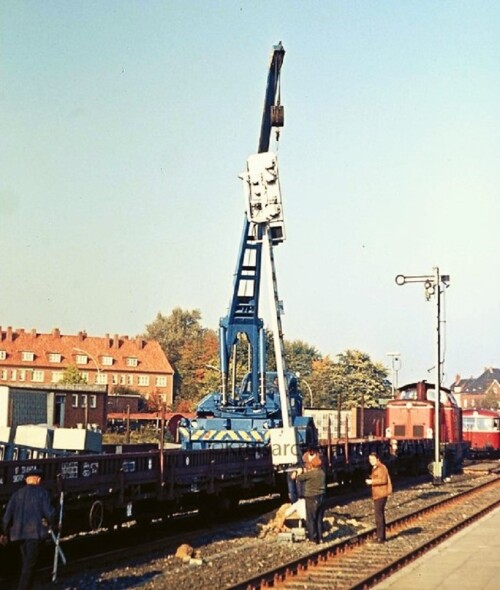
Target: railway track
x=359 y=563
x=99 y=549
x=232 y=554
x=96 y=550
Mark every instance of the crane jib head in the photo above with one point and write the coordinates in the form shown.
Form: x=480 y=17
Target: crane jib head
x=273 y=114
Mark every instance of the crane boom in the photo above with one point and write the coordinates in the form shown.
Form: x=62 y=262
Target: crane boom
x=267 y=405
x=243 y=316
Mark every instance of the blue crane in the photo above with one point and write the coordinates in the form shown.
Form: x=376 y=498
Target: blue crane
x=266 y=404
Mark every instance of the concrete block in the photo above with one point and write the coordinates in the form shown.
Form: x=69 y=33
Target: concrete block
x=77 y=439
x=5 y=433
x=31 y=435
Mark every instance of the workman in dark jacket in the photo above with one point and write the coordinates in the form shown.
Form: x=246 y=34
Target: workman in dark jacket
x=27 y=519
x=313 y=482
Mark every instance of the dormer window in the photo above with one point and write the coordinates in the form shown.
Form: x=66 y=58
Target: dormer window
x=3 y=355
x=132 y=361
x=27 y=356
x=55 y=357
x=107 y=360
x=82 y=359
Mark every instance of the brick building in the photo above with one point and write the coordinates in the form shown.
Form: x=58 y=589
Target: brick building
x=64 y=406
x=470 y=393
x=39 y=360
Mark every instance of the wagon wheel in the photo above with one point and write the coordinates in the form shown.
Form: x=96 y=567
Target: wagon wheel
x=96 y=515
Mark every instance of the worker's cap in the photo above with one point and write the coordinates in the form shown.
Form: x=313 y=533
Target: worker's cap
x=36 y=471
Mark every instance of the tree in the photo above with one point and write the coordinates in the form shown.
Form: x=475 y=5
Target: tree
x=173 y=331
x=300 y=357
x=352 y=381
x=72 y=376
x=189 y=347
x=298 y=354
x=321 y=381
x=196 y=377
x=490 y=400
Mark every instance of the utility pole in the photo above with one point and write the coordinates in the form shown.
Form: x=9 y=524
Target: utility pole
x=339 y=414
x=396 y=365
x=434 y=286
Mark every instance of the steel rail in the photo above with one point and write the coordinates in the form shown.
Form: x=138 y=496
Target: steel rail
x=298 y=570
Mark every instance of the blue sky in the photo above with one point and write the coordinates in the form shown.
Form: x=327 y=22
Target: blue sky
x=125 y=126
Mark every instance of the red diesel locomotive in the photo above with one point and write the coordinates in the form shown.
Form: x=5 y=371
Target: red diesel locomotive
x=411 y=414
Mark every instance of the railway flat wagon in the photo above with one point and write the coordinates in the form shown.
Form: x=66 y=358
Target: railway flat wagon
x=106 y=489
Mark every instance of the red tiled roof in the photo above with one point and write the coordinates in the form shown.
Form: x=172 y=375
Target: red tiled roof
x=150 y=357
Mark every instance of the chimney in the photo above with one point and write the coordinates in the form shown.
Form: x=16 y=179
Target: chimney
x=107 y=341
x=33 y=332
x=9 y=337
x=56 y=333
x=116 y=341
x=1 y=334
x=140 y=343
x=81 y=336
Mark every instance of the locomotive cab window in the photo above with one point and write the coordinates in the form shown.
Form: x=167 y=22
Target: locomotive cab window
x=409 y=394
x=431 y=396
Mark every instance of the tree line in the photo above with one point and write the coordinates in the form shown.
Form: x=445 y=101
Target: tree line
x=349 y=380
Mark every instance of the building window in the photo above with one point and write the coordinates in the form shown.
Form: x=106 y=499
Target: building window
x=74 y=400
x=3 y=355
x=130 y=379
x=161 y=381
x=27 y=356
x=132 y=361
x=13 y=375
x=54 y=357
x=143 y=380
x=84 y=400
x=38 y=376
x=115 y=379
x=107 y=360
x=85 y=376
x=101 y=379
x=56 y=376
x=82 y=359
x=93 y=401
x=22 y=375
x=4 y=374
x=123 y=379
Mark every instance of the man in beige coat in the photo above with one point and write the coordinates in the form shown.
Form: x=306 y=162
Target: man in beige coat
x=380 y=481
